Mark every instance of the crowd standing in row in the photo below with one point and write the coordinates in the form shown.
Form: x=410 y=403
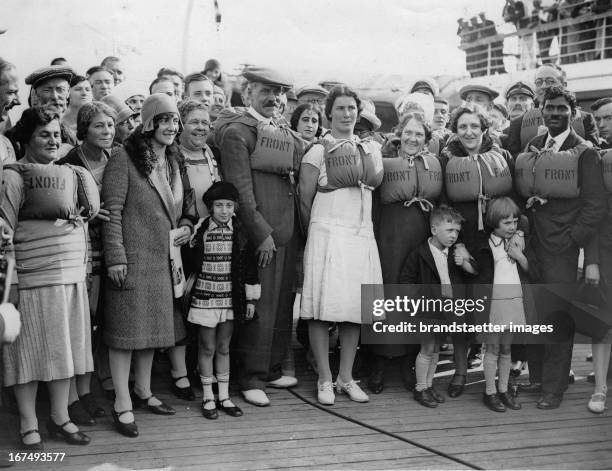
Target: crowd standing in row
x=101 y=182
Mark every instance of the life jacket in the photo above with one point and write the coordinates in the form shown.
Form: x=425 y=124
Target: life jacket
x=532 y=125
x=477 y=178
x=351 y=164
x=606 y=166
x=412 y=180
x=278 y=150
x=543 y=174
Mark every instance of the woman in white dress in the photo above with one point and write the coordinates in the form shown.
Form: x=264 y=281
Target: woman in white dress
x=337 y=177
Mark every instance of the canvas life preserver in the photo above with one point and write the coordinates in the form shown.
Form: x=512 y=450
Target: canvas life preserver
x=88 y=195
x=543 y=174
x=478 y=178
x=278 y=150
x=417 y=179
x=532 y=125
x=606 y=166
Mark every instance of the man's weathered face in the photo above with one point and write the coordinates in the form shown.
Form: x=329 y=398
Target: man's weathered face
x=9 y=91
x=52 y=92
x=265 y=98
x=603 y=118
x=518 y=104
x=556 y=113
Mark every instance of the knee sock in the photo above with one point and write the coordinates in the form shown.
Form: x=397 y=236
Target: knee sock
x=490 y=368
x=433 y=365
x=223 y=383
x=207 y=382
x=503 y=368
x=422 y=368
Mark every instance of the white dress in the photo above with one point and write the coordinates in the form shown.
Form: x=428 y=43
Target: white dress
x=341 y=252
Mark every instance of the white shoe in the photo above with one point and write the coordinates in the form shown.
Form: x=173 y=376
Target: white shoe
x=256 y=397
x=325 y=393
x=597 y=404
x=283 y=382
x=352 y=389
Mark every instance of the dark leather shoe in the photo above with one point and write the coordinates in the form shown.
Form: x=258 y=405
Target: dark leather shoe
x=185 y=393
x=79 y=415
x=91 y=406
x=549 y=401
x=74 y=438
x=37 y=446
x=439 y=398
x=509 y=401
x=492 y=402
x=456 y=390
x=425 y=398
x=376 y=381
x=530 y=387
x=211 y=414
x=232 y=410
x=127 y=429
x=161 y=409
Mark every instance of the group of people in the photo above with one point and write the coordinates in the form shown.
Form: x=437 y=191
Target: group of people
x=293 y=192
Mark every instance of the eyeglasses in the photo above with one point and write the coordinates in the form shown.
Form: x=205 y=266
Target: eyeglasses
x=548 y=81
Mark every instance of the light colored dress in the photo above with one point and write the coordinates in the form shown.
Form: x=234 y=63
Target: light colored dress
x=341 y=252
x=507 y=297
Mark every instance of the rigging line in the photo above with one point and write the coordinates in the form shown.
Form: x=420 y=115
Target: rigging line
x=384 y=432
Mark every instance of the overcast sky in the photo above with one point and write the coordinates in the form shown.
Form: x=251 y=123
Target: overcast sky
x=309 y=39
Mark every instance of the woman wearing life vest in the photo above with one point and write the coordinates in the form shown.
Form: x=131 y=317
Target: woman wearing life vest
x=475 y=170
x=95 y=131
x=143 y=192
x=411 y=186
x=337 y=177
x=47 y=206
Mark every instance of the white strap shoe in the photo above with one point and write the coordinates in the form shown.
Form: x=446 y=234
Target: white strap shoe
x=325 y=393
x=352 y=389
x=597 y=404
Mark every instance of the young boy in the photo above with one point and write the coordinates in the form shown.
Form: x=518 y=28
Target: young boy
x=436 y=261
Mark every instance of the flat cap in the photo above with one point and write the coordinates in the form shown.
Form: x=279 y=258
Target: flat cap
x=426 y=82
x=314 y=89
x=49 y=72
x=520 y=88
x=267 y=76
x=123 y=111
x=472 y=87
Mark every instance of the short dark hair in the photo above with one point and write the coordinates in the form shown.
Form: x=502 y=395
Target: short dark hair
x=557 y=91
x=419 y=118
x=159 y=80
x=31 y=118
x=195 y=77
x=86 y=114
x=76 y=79
x=187 y=106
x=97 y=68
x=297 y=114
x=56 y=60
x=444 y=213
x=601 y=102
x=169 y=71
x=108 y=59
x=498 y=209
x=337 y=92
x=460 y=111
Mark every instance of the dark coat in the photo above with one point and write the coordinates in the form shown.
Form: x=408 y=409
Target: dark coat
x=244 y=264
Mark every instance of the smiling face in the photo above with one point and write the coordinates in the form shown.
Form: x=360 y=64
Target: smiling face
x=265 y=98
x=44 y=143
x=344 y=114
x=223 y=210
x=101 y=131
x=167 y=128
x=195 y=129
x=412 y=138
x=556 y=113
x=470 y=132
x=308 y=124
x=80 y=94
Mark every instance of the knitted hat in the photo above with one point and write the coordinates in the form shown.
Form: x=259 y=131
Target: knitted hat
x=212 y=64
x=220 y=191
x=154 y=105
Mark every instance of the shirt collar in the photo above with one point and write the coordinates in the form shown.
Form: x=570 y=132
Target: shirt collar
x=258 y=116
x=496 y=240
x=559 y=140
x=214 y=225
x=433 y=247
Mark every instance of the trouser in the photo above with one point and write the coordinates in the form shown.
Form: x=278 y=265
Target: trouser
x=262 y=343
x=550 y=363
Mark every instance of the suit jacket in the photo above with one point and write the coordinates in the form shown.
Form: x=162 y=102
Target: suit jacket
x=511 y=139
x=266 y=205
x=565 y=224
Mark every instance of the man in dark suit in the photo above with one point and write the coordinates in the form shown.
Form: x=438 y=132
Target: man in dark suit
x=559 y=227
x=602 y=110
x=267 y=210
x=526 y=127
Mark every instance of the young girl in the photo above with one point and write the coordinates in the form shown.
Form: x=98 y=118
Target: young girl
x=225 y=290
x=501 y=262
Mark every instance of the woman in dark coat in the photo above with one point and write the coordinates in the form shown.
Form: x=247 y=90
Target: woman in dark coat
x=143 y=192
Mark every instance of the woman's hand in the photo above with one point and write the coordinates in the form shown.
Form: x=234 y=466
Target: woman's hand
x=250 y=311
x=104 y=214
x=117 y=274
x=183 y=237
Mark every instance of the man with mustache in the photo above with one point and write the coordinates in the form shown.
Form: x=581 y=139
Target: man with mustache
x=259 y=158
x=9 y=97
x=602 y=110
x=531 y=124
x=519 y=99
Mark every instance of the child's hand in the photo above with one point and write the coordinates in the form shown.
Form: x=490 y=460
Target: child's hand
x=515 y=252
x=518 y=239
x=183 y=237
x=459 y=259
x=250 y=311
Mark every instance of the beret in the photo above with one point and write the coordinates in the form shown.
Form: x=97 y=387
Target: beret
x=220 y=190
x=520 y=88
x=267 y=76
x=123 y=111
x=477 y=88
x=49 y=72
